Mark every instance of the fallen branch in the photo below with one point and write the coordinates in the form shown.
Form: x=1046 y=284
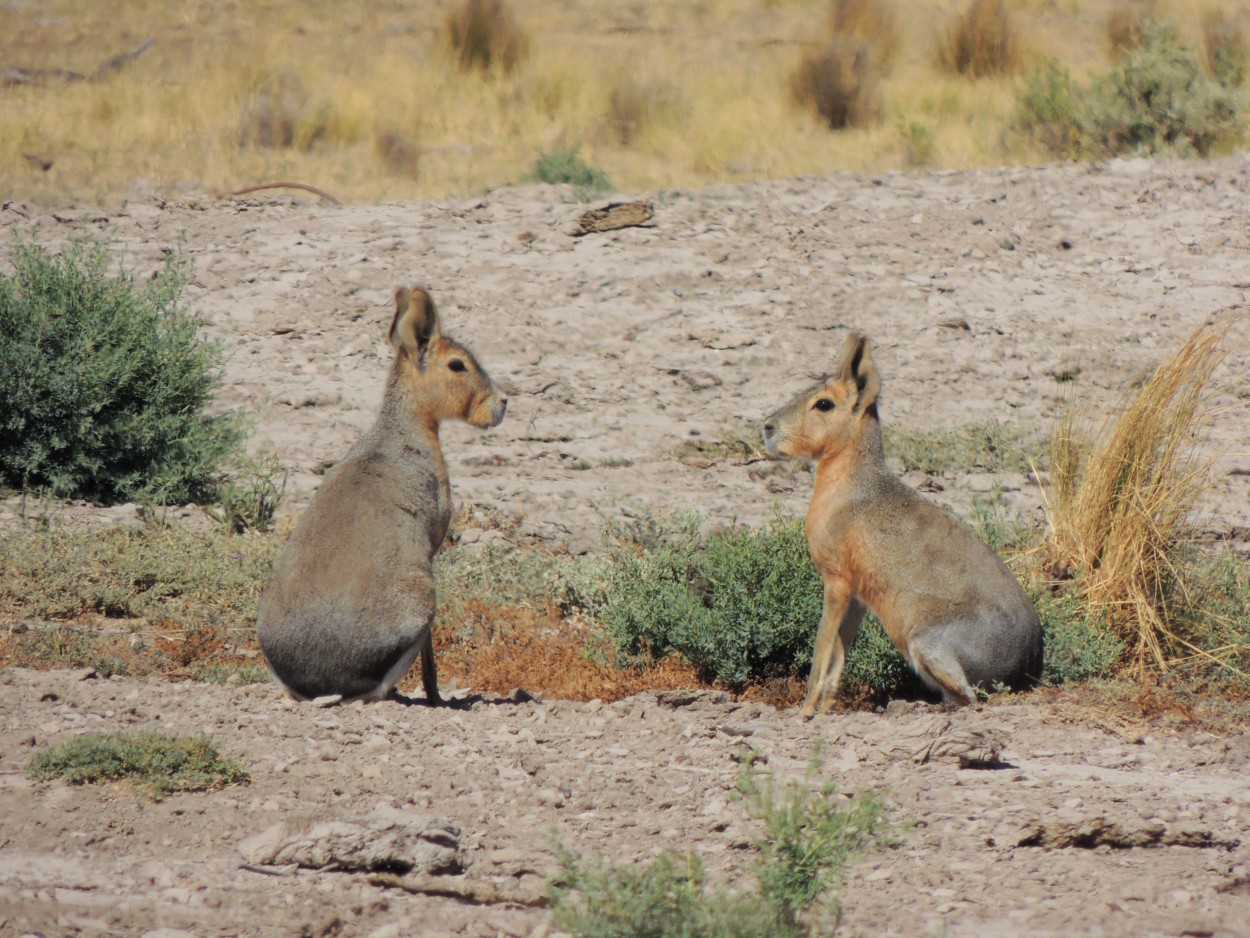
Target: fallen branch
x=289 y=185
x=19 y=75
x=470 y=891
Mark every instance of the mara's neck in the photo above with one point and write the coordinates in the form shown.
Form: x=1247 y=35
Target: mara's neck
x=865 y=455
x=408 y=420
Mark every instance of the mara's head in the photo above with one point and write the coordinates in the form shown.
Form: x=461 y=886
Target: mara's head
x=444 y=376
x=829 y=417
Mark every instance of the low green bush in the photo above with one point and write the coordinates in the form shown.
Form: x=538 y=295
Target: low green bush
x=156 y=764
x=1076 y=646
x=742 y=606
x=565 y=166
x=1156 y=100
x=106 y=382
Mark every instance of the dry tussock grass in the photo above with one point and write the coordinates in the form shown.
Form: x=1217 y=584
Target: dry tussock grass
x=982 y=43
x=839 y=82
x=1118 y=503
x=484 y=35
x=870 y=21
x=1126 y=24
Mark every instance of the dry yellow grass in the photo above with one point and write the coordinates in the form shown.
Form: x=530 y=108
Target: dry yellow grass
x=366 y=100
x=1119 y=501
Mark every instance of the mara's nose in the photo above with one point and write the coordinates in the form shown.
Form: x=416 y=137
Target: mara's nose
x=769 y=428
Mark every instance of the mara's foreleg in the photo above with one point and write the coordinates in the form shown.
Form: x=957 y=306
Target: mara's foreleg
x=839 y=624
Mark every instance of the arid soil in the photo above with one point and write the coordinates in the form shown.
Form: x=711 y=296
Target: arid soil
x=994 y=295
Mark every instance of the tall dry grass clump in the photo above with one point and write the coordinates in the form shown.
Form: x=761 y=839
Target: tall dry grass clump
x=838 y=82
x=484 y=35
x=1118 y=503
x=1126 y=26
x=1224 y=50
x=982 y=42
x=869 y=21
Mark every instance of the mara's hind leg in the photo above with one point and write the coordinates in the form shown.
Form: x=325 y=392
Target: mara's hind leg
x=940 y=669
x=429 y=673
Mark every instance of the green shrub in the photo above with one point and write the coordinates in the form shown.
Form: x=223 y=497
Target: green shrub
x=1157 y=100
x=1077 y=646
x=742 y=606
x=565 y=166
x=105 y=382
x=156 y=764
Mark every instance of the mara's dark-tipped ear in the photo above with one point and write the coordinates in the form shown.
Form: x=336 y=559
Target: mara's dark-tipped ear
x=856 y=365
x=415 y=324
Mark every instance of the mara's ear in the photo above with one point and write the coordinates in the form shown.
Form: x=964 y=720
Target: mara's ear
x=856 y=365
x=415 y=324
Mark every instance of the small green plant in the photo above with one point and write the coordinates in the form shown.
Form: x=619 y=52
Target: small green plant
x=155 y=764
x=106 y=382
x=248 y=495
x=667 y=898
x=565 y=166
x=921 y=145
x=810 y=836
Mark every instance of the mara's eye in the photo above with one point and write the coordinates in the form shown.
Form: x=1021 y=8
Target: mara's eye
x=457 y=365
x=824 y=405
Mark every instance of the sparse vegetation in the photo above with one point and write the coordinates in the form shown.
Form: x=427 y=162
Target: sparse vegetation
x=378 y=107
x=991 y=446
x=155 y=764
x=810 y=835
x=982 y=43
x=106 y=382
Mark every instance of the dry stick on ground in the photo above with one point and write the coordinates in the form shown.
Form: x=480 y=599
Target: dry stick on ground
x=289 y=185
x=18 y=75
x=470 y=891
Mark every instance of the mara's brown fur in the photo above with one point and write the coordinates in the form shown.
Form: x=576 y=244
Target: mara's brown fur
x=350 y=604
x=952 y=607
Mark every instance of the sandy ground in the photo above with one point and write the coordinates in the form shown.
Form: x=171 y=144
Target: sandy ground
x=983 y=290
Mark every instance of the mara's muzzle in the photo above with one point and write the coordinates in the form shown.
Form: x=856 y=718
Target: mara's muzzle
x=489 y=410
